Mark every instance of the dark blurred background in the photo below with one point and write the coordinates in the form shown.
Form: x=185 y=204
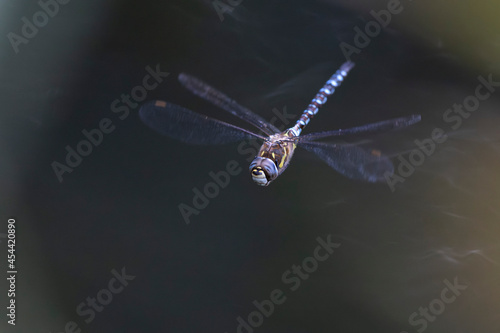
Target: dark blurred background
x=119 y=208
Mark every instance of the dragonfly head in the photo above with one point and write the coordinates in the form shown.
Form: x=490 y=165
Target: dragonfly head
x=263 y=171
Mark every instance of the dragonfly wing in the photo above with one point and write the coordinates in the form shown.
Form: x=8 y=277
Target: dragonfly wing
x=353 y=161
x=184 y=125
x=382 y=126
x=209 y=93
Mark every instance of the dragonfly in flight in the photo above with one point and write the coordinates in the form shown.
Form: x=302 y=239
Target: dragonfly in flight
x=278 y=147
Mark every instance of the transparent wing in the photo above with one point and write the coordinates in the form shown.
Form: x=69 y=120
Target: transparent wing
x=352 y=161
x=209 y=93
x=382 y=126
x=184 y=125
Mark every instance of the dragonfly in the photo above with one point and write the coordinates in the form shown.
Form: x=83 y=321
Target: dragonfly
x=278 y=147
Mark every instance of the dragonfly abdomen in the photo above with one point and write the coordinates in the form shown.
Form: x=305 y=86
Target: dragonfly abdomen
x=321 y=97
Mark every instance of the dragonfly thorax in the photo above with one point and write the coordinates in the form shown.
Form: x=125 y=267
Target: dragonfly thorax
x=273 y=158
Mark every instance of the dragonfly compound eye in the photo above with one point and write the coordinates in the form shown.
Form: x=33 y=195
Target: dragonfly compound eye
x=263 y=171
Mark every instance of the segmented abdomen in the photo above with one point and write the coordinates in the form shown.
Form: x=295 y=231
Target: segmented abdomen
x=322 y=96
